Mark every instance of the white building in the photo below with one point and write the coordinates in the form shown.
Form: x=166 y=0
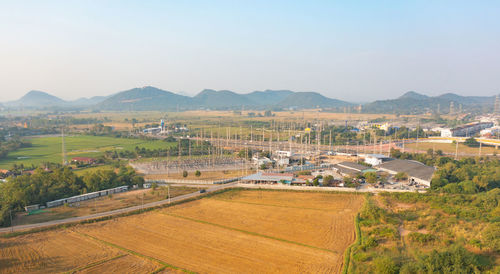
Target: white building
x=376 y=159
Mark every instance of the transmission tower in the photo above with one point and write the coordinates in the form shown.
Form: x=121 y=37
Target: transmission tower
x=64 y=162
x=497 y=104
x=452 y=109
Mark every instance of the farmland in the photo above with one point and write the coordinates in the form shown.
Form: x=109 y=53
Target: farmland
x=49 y=149
x=451 y=148
x=235 y=231
x=58 y=251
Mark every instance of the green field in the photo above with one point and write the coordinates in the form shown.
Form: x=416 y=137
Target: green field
x=48 y=149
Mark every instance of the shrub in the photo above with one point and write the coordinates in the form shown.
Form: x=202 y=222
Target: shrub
x=385 y=265
x=421 y=238
x=197 y=173
x=184 y=174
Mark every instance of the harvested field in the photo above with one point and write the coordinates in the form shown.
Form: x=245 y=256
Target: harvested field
x=122 y=264
x=50 y=252
x=239 y=231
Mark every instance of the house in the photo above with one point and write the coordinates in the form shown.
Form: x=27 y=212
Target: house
x=268 y=178
x=376 y=159
x=85 y=160
x=418 y=172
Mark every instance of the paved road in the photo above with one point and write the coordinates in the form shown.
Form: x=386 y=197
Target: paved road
x=113 y=212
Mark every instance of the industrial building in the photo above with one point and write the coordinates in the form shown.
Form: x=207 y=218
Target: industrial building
x=376 y=159
x=86 y=196
x=351 y=169
x=466 y=130
x=417 y=172
x=268 y=178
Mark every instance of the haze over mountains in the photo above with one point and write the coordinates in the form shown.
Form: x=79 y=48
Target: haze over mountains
x=151 y=98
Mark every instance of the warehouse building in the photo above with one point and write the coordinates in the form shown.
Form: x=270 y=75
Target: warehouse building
x=268 y=178
x=86 y=196
x=418 y=173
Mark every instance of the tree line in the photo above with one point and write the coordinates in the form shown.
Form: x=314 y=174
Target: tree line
x=44 y=186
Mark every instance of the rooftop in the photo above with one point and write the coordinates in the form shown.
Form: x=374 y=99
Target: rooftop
x=412 y=168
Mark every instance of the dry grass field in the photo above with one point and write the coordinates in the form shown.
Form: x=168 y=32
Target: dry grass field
x=450 y=148
x=233 y=232
x=66 y=251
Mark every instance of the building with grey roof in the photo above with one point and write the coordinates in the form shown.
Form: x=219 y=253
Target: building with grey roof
x=417 y=172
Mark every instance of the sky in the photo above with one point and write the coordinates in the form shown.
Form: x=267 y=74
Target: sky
x=352 y=50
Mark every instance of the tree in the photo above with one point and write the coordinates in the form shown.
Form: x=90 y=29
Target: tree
x=401 y=176
x=328 y=180
x=371 y=177
x=197 y=173
x=471 y=142
x=184 y=173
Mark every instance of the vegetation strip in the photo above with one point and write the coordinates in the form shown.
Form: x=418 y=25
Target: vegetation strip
x=348 y=251
x=249 y=232
x=137 y=253
x=95 y=264
x=296 y=207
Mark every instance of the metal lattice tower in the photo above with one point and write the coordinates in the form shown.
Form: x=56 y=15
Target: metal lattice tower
x=64 y=161
x=452 y=108
x=497 y=104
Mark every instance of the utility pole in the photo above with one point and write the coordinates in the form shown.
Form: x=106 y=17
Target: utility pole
x=168 y=191
x=456 y=149
x=63 y=147
x=11 y=224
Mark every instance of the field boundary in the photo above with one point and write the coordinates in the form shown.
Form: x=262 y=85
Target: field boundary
x=258 y=204
x=248 y=232
x=136 y=253
x=96 y=263
x=348 y=251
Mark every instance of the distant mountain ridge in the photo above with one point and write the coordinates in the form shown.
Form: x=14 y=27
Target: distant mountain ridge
x=151 y=98
x=41 y=99
x=413 y=102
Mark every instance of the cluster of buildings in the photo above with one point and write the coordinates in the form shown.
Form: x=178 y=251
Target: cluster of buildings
x=162 y=129
x=466 y=130
x=418 y=174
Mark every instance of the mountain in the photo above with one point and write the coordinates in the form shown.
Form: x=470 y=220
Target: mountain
x=210 y=98
x=146 y=98
x=37 y=98
x=412 y=95
x=311 y=100
x=89 y=101
x=412 y=102
x=268 y=97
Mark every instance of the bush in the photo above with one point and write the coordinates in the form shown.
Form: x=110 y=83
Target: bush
x=184 y=174
x=385 y=265
x=401 y=176
x=197 y=173
x=421 y=238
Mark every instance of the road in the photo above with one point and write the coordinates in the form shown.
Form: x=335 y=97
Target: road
x=113 y=212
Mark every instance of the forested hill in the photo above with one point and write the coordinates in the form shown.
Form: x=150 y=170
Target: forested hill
x=151 y=98
x=412 y=102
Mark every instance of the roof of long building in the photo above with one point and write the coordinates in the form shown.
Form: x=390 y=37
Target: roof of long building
x=412 y=168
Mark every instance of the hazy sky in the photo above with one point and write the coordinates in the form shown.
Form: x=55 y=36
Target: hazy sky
x=352 y=50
